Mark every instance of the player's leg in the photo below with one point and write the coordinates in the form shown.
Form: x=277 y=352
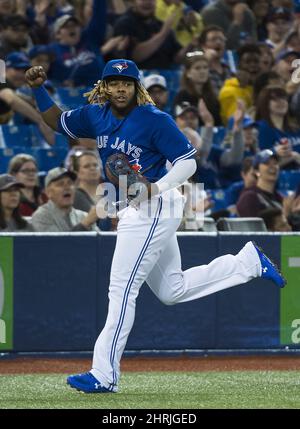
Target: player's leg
x=171 y=285
x=140 y=242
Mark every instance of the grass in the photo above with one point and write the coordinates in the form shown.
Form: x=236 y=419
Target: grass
x=163 y=390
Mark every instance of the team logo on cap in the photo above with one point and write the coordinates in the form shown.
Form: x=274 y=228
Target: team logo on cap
x=120 y=67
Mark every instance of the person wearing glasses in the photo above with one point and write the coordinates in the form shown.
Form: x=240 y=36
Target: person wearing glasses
x=25 y=169
x=213 y=42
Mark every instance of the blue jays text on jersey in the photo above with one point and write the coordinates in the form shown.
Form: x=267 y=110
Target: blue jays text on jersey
x=147 y=135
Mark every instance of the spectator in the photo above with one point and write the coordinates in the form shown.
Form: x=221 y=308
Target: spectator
x=213 y=41
x=25 y=169
x=58 y=214
x=278 y=23
x=235 y=18
x=77 y=146
x=241 y=86
x=266 y=79
x=260 y=9
x=248 y=137
x=249 y=179
x=14 y=35
x=275 y=220
x=263 y=195
x=7 y=7
x=187 y=24
x=87 y=167
x=276 y=130
x=292 y=41
x=152 y=42
x=10 y=217
x=42 y=15
x=16 y=65
x=284 y=64
x=41 y=55
x=187 y=119
x=196 y=85
x=156 y=86
x=78 y=61
x=214 y=163
x=266 y=58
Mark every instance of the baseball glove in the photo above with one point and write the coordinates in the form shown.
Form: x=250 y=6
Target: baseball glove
x=134 y=184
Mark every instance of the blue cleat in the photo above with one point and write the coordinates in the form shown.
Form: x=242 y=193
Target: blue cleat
x=86 y=383
x=269 y=270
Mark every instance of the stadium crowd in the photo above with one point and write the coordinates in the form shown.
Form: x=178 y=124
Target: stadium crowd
x=228 y=71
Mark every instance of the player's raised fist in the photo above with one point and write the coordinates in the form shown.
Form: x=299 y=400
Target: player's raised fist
x=35 y=76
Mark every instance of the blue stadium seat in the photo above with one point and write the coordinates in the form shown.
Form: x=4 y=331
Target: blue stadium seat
x=49 y=158
x=7 y=153
x=5 y=156
x=289 y=180
x=61 y=141
x=13 y=135
x=71 y=98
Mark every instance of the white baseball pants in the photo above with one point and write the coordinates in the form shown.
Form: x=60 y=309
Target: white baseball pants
x=147 y=250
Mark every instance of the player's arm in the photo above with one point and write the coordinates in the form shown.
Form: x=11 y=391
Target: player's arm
x=178 y=174
x=50 y=112
x=175 y=147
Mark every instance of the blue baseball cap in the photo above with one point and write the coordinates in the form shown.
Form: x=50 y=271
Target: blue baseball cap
x=263 y=157
x=39 y=50
x=17 y=60
x=121 y=67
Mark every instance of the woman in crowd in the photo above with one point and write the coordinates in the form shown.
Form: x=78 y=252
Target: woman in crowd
x=24 y=168
x=276 y=130
x=10 y=195
x=196 y=85
x=86 y=165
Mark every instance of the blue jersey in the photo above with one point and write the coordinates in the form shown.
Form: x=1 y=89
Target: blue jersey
x=146 y=135
x=269 y=136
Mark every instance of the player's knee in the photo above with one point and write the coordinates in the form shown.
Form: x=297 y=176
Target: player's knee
x=172 y=290
x=169 y=297
x=169 y=301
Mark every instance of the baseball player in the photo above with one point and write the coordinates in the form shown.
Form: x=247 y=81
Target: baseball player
x=122 y=118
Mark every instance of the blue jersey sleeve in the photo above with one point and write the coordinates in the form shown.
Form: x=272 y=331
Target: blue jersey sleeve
x=77 y=123
x=170 y=141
